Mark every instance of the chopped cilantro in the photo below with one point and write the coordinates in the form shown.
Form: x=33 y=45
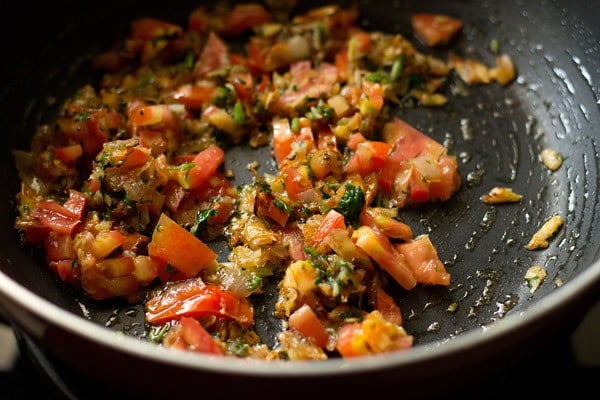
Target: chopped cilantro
x=201 y=217
x=378 y=77
x=157 y=333
x=81 y=117
x=282 y=205
x=238 y=113
x=351 y=203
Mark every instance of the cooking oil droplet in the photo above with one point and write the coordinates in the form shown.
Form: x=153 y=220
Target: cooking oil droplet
x=132 y=312
x=112 y=320
x=488 y=219
x=84 y=310
x=530 y=124
x=466 y=129
x=506 y=305
x=433 y=327
x=465 y=156
x=474 y=177
x=470 y=245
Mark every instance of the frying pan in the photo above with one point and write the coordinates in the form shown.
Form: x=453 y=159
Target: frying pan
x=497 y=133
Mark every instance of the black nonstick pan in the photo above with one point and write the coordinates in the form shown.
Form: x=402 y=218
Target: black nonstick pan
x=497 y=133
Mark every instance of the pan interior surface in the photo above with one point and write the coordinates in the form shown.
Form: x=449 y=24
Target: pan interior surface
x=496 y=132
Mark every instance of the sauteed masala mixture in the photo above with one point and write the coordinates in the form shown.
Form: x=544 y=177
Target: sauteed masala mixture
x=126 y=189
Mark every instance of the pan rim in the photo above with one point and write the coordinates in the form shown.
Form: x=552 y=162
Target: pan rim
x=569 y=292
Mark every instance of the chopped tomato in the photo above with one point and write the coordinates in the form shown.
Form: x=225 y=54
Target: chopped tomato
x=106 y=242
x=409 y=142
x=152 y=28
x=370 y=156
x=346 y=335
x=387 y=306
x=174 y=194
x=419 y=187
x=333 y=220
x=134 y=240
x=373 y=335
x=54 y=217
x=354 y=140
x=205 y=164
x=150 y=119
x=294 y=240
x=198 y=20
x=379 y=248
x=422 y=258
x=89 y=129
x=147 y=115
x=305 y=321
x=59 y=247
x=377 y=219
x=284 y=138
x=435 y=29
x=415 y=163
x=173 y=245
x=64 y=270
x=197 y=338
x=194 y=97
x=295 y=182
x=266 y=206
x=244 y=85
x=244 y=17
x=68 y=154
x=134 y=158
x=449 y=182
x=372 y=101
x=193 y=298
x=257 y=50
x=214 y=56
x=307 y=82
x=75 y=204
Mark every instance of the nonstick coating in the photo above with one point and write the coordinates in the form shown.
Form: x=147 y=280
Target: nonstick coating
x=496 y=132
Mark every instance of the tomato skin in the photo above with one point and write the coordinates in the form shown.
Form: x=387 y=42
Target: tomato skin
x=172 y=244
x=51 y=216
x=193 y=298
